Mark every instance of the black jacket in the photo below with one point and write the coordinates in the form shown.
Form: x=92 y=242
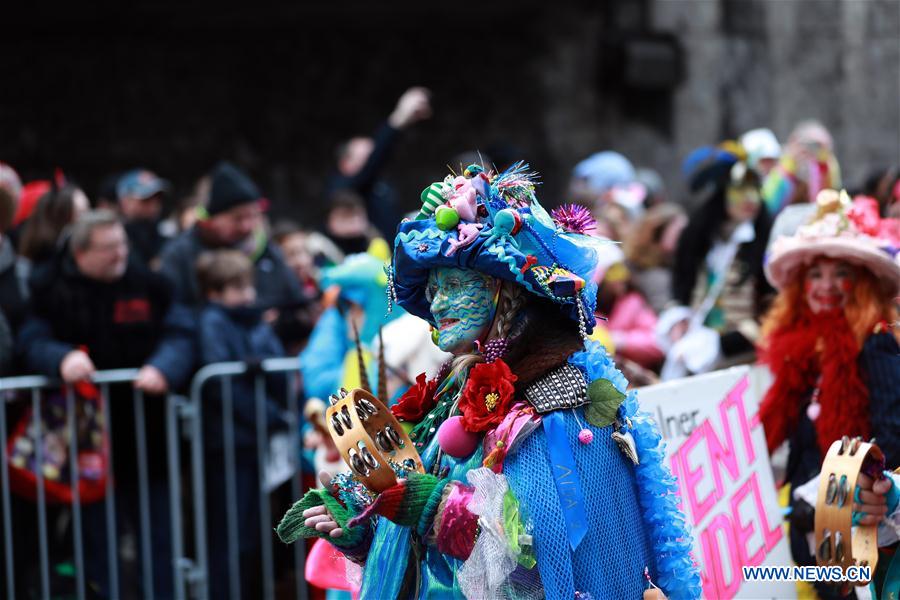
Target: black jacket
x=13 y=285
x=145 y=239
x=127 y=323
x=131 y=322
x=276 y=284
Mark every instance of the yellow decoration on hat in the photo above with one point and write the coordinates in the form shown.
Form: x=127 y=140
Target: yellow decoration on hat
x=828 y=201
x=734 y=147
x=617 y=272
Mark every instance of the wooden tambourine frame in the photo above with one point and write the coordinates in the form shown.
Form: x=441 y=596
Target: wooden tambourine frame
x=368 y=436
x=835 y=543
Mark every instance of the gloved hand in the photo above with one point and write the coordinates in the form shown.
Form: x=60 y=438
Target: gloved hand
x=412 y=502
x=293 y=527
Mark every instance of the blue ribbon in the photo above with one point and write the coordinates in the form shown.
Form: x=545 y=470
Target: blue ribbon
x=565 y=474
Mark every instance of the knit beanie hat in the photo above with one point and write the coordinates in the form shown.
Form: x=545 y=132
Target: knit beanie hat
x=230 y=187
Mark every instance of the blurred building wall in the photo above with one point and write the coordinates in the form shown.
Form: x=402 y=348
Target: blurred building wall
x=276 y=87
x=748 y=64
x=759 y=63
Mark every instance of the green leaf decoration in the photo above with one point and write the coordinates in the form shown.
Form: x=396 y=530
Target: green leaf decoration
x=605 y=401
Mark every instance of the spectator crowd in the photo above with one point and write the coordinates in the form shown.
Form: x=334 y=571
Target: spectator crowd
x=91 y=284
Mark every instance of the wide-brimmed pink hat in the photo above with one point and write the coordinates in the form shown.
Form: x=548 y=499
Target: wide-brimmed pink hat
x=844 y=230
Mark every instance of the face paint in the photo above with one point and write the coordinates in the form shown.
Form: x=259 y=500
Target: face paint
x=742 y=202
x=828 y=284
x=462 y=304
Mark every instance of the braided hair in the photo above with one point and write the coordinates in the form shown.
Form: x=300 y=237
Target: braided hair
x=511 y=300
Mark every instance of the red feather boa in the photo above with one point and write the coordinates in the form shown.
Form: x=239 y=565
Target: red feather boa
x=797 y=354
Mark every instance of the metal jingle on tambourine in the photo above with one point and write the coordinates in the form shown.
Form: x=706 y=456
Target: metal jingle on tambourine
x=845 y=443
x=335 y=398
x=336 y=425
x=838 y=547
x=369 y=459
x=393 y=436
x=843 y=490
x=832 y=489
x=824 y=550
x=359 y=465
x=366 y=406
x=345 y=417
x=381 y=440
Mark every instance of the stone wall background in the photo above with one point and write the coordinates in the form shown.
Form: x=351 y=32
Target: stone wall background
x=276 y=86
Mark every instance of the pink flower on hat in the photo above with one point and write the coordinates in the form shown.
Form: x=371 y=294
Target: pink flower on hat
x=864 y=214
x=851 y=231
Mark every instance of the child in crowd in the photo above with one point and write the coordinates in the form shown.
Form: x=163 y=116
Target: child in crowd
x=232 y=329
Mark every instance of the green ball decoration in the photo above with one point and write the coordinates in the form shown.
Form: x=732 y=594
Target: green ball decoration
x=446 y=218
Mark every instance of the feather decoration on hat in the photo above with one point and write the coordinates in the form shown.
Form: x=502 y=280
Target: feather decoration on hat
x=516 y=185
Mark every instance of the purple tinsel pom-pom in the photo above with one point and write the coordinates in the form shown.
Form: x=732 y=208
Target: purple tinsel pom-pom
x=574 y=218
x=494 y=349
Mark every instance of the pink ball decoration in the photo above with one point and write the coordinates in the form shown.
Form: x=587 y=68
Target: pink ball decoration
x=456 y=441
x=813 y=411
x=585 y=436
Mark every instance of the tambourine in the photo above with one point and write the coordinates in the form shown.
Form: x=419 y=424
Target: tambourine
x=836 y=544
x=370 y=439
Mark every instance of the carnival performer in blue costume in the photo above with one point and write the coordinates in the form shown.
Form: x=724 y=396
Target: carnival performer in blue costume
x=543 y=477
x=355 y=293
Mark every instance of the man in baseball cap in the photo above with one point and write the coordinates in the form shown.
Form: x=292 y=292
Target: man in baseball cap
x=140 y=200
x=140 y=194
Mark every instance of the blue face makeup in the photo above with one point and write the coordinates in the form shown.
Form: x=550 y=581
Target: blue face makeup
x=462 y=304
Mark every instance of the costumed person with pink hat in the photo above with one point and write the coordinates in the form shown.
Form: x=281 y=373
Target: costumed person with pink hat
x=542 y=478
x=831 y=342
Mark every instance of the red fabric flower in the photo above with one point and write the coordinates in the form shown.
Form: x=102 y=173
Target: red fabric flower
x=417 y=401
x=487 y=397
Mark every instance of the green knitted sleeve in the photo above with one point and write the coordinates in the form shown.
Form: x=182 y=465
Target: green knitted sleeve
x=292 y=528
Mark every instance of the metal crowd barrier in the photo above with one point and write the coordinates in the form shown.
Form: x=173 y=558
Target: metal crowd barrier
x=225 y=372
x=183 y=419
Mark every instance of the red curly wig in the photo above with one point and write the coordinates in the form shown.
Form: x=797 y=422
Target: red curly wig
x=808 y=351
x=868 y=305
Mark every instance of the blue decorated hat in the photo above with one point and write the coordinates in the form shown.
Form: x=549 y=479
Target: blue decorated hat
x=494 y=224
